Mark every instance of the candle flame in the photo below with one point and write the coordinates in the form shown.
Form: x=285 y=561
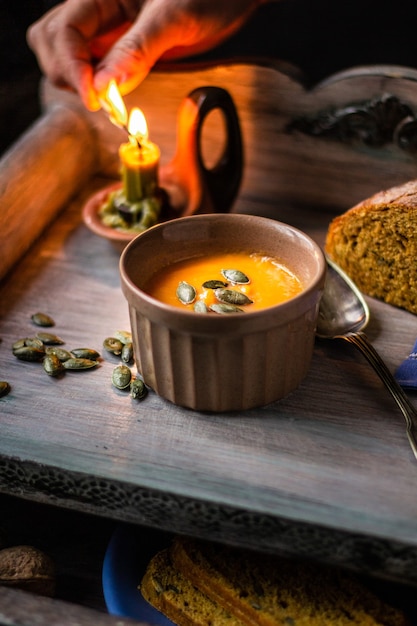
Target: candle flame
x=135 y=124
x=116 y=106
x=138 y=128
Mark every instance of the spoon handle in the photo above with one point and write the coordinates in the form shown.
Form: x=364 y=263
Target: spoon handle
x=360 y=340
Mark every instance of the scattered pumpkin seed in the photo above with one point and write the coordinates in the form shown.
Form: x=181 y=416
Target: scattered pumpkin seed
x=223 y=308
x=235 y=276
x=113 y=345
x=231 y=296
x=52 y=365
x=20 y=343
x=127 y=352
x=29 y=353
x=138 y=389
x=32 y=342
x=214 y=284
x=121 y=376
x=42 y=319
x=186 y=293
x=75 y=363
x=200 y=307
x=49 y=339
x=4 y=388
x=61 y=353
x=124 y=336
x=85 y=353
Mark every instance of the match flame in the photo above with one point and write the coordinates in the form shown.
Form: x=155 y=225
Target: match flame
x=115 y=105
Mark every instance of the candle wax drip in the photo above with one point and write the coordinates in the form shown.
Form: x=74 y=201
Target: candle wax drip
x=116 y=212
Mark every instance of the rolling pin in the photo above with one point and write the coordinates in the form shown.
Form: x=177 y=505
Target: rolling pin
x=39 y=174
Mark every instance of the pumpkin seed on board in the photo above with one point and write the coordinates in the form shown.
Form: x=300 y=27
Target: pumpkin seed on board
x=138 y=389
x=52 y=365
x=32 y=342
x=113 y=345
x=186 y=293
x=42 y=319
x=85 y=353
x=78 y=364
x=29 y=353
x=50 y=339
x=124 y=336
x=127 y=352
x=121 y=376
x=235 y=276
x=61 y=353
x=4 y=388
x=231 y=296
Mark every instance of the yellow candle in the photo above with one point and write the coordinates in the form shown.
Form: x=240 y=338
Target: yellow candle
x=137 y=204
x=139 y=157
x=139 y=169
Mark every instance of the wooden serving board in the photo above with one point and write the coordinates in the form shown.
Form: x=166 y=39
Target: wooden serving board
x=327 y=472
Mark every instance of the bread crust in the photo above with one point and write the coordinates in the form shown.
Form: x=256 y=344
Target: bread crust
x=375 y=243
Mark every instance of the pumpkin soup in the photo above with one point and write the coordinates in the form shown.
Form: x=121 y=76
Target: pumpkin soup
x=225 y=283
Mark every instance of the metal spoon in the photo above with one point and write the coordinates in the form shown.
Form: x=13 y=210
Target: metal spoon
x=343 y=314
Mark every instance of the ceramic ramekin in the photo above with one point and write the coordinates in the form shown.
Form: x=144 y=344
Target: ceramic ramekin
x=212 y=362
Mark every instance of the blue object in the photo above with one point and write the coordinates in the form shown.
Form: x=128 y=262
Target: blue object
x=127 y=556
x=406 y=373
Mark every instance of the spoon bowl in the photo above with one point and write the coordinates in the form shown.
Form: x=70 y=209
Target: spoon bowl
x=342 y=308
x=343 y=314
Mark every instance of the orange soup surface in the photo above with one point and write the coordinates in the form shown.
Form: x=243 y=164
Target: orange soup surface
x=269 y=283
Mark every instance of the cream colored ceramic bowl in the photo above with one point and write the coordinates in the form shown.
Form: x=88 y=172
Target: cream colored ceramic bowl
x=213 y=362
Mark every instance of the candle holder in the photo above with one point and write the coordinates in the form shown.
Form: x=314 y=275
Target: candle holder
x=186 y=186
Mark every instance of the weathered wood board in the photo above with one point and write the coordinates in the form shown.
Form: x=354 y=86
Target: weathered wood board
x=327 y=472
x=323 y=472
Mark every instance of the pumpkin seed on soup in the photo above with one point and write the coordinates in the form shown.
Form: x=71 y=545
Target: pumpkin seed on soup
x=214 y=284
x=224 y=308
x=186 y=293
x=231 y=296
x=254 y=281
x=200 y=307
x=235 y=276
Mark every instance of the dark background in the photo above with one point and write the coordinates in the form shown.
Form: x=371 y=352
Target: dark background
x=319 y=36
x=19 y=74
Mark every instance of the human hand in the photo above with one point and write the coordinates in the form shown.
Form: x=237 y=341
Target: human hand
x=83 y=44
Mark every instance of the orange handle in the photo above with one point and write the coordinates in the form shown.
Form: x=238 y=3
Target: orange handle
x=203 y=189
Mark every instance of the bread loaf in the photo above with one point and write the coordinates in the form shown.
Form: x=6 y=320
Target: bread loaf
x=178 y=599
x=200 y=583
x=375 y=243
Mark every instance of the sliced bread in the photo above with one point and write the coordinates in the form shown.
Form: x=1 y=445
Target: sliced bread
x=262 y=590
x=375 y=242
x=166 y=589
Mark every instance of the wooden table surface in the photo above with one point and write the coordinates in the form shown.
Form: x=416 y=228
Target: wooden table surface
x=327 y=472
